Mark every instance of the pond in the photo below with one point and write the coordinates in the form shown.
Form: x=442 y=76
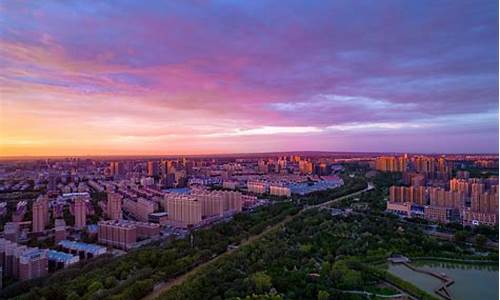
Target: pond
x=471 y=281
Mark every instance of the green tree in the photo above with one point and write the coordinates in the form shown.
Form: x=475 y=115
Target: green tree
x=110 y=282
x=94 y=287
x=461 y=236
x=481 y=241
x=73 y=296
x=323 y=295
x=325 y=269
x=262 y=281
x=351 y=279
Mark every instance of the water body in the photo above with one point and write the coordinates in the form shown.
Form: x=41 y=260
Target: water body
x=471 y=281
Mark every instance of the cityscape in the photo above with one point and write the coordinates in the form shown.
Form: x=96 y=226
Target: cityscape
x=249 y=150
x=64 y=213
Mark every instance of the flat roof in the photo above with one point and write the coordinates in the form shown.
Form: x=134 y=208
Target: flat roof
x=33 y=253
x=159 y=214
x=90 y=248
x=75 y=194
x=61 y=256
x=178 y=190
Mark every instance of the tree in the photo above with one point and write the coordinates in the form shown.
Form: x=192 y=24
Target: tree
x=460 y=236
x=481 y=241
x=325 y=269
x=110 y=282
x=351 y=279
x=139 y=289
x=73 y=296
x=323 y=295
x=262 y=281
x=94 y=287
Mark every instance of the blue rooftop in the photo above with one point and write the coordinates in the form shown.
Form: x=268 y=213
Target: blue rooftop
x=179 y=190
x=61 y=256
x=90 y=248
x=33 y=253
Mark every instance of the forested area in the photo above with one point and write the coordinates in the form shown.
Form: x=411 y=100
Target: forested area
x=313 y=257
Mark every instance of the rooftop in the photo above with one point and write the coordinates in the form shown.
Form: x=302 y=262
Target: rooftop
x=62 y=257
x=90 y=248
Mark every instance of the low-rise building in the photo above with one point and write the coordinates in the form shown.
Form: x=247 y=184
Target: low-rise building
x=399 y=208
x=59 y=260
x=281 y=191
x=83 y=250
x=256 y=187
x=470 y=217
x=158 y=218
x=441 y=214
x=124 y=234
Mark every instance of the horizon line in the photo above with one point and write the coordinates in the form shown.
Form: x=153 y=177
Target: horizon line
x=10 y=157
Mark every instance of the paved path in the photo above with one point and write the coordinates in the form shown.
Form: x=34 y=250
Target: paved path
x=368 y=294
x=165 y=286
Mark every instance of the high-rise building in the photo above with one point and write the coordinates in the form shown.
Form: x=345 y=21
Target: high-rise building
x=22 y=262
x=59 y=230
x=33 y=263
x=443 y=170
x=426 y=165
x=144 y=207
x=486 y=202
x=263 y=166
x=184 y=209
x=391 y=164
x=180 y=178
x=40 y=214
x=153 y=168
x=306 y=167
x=117 y=234
x=80 y=212
x=167 y=167
x=51 y=182
x=282 y=164
x=232 y=201
x=117 y=169
x=114 y=206
x=477 y=188
x=212 y=204
x=460 y=185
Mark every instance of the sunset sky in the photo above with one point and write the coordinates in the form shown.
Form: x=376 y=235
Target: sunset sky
x=193 y=77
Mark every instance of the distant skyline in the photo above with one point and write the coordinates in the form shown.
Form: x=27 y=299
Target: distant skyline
x=214 y=77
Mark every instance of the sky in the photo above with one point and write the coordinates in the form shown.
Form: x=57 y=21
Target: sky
x=201 y=77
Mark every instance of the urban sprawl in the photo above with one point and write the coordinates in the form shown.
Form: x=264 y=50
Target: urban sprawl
x=59 y=212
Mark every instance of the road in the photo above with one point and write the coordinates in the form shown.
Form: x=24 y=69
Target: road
x=165 y=286
x=327 y=203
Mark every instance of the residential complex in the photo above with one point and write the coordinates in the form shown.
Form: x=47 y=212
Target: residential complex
x=461 y=199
